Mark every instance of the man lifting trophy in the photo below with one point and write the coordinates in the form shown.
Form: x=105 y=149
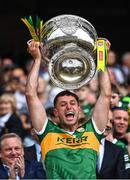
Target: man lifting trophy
x=71 y=49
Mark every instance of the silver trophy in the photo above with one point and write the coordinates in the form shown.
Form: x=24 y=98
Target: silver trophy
x=68 y=48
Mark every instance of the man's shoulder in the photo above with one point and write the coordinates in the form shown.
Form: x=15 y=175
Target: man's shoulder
x=87 y=122
x=88 y=125
x=50 y=127
x=120 y=143
x=1 y=165
x=3 y=173
x=29 y=147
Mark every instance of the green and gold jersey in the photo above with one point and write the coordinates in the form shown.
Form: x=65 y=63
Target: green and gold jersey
x=69 y=156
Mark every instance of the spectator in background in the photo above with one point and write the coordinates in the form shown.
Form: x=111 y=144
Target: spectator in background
x=125 y=103
x=110 y=164
x=5 y=83
x=18 y=80
x=126 y=64
x=25 y=117
x=115 y=97
x=121 y=87
x=87 y=98
x=125 y=100
x=13 y=164
x=9 y=119
x=115 y=66
x=121 y=118
x=128 y=87
x=7 y=61
x=33 y=152
x=120 y=135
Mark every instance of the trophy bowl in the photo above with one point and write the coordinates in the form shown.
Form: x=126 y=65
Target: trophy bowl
x=68 y=48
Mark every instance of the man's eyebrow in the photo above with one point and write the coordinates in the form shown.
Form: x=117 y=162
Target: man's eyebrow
x=72 y=100
x=62 y=102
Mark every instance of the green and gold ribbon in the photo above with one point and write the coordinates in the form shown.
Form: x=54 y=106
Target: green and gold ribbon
x=101 y=47
x=36 y=30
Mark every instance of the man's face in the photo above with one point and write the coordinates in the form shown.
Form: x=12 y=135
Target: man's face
x=18 y=79
x=5 y=107
x=111 y=58
x=114 y=100
x=11 y=149
x=19 y=74
x=121 y=118
x=67 y=110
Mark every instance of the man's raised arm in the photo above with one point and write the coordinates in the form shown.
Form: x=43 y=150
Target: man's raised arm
x=102 y=106
x=36 y=109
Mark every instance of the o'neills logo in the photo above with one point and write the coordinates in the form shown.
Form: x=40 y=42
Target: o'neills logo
x=72 y=141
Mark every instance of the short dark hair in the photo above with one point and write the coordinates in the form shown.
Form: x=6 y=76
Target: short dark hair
x=65 y=93
x=50 y=112
x=119 y=108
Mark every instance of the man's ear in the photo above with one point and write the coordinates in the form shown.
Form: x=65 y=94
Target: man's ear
x=80 y=109
x=55 y=112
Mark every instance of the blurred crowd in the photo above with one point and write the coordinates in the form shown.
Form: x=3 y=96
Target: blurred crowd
x=14 y=115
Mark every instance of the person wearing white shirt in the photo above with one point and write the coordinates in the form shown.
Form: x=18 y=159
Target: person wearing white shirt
x=110 y=164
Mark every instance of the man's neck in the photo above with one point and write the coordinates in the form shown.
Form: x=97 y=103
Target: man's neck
x=118 y=135
x=69 y=128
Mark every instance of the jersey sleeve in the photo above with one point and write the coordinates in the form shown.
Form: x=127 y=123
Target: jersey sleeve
x=91 y=126
x=48 y=127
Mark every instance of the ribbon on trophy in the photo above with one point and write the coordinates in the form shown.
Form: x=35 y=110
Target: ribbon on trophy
x=36 y=30
x=101 y=46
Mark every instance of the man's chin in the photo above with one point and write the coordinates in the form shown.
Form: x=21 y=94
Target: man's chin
x=121 y=133
x=70 y=122
x=11 y=160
